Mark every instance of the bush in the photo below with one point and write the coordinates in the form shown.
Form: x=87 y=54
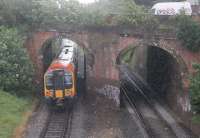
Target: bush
x=195 y=89
x=15 y=66
x=189 y=33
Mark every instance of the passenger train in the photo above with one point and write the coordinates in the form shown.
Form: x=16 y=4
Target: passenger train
x=60 y=79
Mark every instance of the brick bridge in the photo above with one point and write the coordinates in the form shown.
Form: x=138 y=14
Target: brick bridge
x=104 y=47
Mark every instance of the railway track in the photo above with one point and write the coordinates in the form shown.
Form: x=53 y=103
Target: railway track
x=137 y=116
x=153 y=122
x=58 y=124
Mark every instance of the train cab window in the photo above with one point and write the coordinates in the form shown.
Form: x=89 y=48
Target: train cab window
x=49 y=81
x=68 y=80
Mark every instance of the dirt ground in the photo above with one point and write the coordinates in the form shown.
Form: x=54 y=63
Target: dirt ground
x=96 y=116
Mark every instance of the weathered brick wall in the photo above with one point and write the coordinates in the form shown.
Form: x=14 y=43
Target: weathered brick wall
x=103 y=49
x=34 y=45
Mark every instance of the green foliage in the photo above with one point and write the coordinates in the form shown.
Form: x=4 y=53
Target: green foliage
x=189 y=33
x=51 y=13
x=196 y=119
x=15 y=12
x=15 y=67
x=195 y=89
x=133 y=14
x=11 y=113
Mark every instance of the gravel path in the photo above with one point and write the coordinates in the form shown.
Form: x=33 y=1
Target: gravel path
x=37 y=122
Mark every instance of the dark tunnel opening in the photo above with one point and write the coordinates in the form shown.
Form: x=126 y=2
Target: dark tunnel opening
x=47 y=56
x=49 y=51
x=163 y=74
x=158 y=68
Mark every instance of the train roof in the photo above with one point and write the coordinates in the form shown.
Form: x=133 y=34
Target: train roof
x=66 y=53
x=64 y=58
x=67 y=43
x=68 y=49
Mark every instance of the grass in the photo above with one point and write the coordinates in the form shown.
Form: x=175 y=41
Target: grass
x=11 y=113
x=196 y=119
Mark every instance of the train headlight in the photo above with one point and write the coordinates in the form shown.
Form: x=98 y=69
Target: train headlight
x=49 y=93
x=67 y=92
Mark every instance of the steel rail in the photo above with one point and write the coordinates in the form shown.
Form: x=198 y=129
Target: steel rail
x=146 y=130
x=58 y=124
x=147 y=126
x=142 y=87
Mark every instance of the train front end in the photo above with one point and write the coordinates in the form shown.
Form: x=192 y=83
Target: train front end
x=59 y=86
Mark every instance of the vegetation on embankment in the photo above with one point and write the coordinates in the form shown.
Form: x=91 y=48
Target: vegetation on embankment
x=16 y=80
x=188 y=32
x=11 y=113
x=15 y=66
x=195 y=90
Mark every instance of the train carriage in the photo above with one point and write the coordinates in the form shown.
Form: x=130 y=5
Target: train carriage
x=60 y=79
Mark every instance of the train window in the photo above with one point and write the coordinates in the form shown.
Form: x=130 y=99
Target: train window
x=58 y=79
x=68 y=80
x=49 y=82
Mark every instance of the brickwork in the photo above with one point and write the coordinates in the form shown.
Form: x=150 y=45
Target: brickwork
x=103 y=48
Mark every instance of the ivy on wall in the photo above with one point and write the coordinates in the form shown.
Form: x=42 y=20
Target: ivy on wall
x=188 y=32
x=195 y=89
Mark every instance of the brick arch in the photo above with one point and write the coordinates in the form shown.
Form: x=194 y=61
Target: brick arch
x=35 y=44
x=179 y=57
x=106 y=52
x=184 y=59
x=172 y=47
x=105 y=48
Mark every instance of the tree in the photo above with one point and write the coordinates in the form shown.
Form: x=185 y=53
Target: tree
x=15 y=67
x=188 y=32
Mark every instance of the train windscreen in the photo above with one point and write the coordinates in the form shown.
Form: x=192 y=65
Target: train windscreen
x=68 y=81
x=59 y=80
x=49 y=81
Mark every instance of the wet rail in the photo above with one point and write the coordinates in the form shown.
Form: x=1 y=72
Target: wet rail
x=156 y=121
x=58 y=124
x=144 y=128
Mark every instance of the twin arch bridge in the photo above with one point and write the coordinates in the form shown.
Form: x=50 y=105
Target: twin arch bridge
x=104 y=48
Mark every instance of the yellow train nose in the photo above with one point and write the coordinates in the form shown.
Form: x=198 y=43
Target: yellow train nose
x=59 y=94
